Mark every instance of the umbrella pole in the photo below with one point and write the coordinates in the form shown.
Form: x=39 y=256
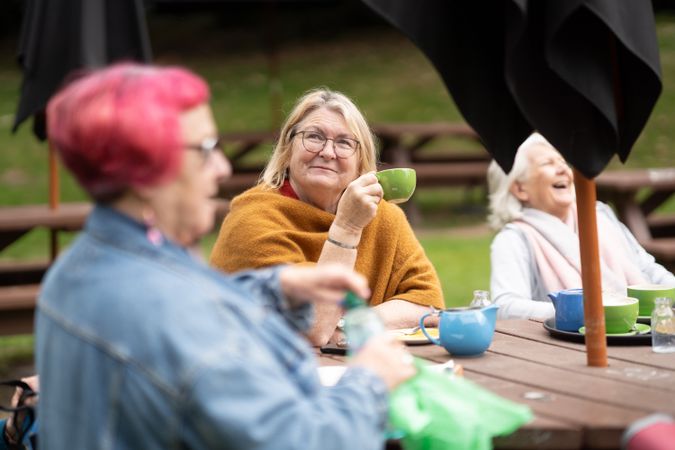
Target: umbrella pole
x=54 y=195
x=594 y=315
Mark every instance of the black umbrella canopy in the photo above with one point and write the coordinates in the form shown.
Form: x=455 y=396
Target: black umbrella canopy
x=62 y=36
x=585 y=73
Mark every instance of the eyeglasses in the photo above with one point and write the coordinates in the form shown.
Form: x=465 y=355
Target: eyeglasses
x=206 y=147
x=314 y=142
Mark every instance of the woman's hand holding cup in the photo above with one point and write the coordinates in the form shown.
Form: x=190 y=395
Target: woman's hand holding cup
x=358 y=204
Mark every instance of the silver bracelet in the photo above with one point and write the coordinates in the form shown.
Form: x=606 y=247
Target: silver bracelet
x=341 y=244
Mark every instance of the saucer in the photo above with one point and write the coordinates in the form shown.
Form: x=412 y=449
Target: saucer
x=640 y=328
x=575 y=336
x=416 y=338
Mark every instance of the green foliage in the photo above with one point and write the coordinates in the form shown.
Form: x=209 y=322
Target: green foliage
x=14 y=350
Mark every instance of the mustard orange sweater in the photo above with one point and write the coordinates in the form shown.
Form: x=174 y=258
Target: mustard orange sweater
x=265 y=228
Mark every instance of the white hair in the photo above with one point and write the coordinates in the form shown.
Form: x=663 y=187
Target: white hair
x=504 y=207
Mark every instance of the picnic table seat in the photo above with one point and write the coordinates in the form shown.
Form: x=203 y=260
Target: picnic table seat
x=17 y=305
x=663 y=249
x=662 y=225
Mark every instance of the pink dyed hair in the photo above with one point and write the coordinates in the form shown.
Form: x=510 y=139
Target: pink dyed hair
x=118 y=127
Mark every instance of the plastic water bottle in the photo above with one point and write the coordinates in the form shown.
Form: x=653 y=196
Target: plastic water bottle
x=481 y=299
x=663 y=326
x=361 y=322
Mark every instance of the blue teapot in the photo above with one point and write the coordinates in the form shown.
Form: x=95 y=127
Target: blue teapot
x=464 y=331
x=569 y=309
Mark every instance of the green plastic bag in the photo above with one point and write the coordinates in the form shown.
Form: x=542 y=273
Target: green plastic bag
x=435 y=411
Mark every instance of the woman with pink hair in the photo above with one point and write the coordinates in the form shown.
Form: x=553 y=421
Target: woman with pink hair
x=139 y=345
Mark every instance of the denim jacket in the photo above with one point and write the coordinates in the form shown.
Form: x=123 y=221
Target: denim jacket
x=142 y=346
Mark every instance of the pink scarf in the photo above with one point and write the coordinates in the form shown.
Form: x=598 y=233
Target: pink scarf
x=556 y=250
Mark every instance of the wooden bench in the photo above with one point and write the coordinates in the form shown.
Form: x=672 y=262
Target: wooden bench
x=661 y=225
x=462 y=163
x=20 y=281
x=17 y=306
x=636 y=195
x=663 y=249
x=16 y=221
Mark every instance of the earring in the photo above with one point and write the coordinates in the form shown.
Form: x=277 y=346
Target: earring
x=152 y=233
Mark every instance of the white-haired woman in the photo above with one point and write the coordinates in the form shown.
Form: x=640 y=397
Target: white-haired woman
x=536 y=250
x=318 y=202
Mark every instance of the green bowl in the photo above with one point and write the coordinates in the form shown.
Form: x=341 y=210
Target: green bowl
x=398 y=184
x=647 y=293
x=620 y=314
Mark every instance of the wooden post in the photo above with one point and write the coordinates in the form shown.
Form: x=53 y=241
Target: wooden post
x=273 y=66
x=594 y=315
x=54 y=195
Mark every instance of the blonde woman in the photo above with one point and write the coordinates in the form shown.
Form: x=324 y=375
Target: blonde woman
x=319 y=202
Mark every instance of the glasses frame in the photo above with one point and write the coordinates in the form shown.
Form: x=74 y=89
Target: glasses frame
x=206 y=147
x=326 y=139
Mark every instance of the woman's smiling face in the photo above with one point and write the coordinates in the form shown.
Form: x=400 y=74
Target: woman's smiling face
x=549 y=185
x=320 y=178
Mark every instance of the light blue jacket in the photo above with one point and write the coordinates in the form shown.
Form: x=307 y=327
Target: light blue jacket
x=144 y=347
x=27 y=440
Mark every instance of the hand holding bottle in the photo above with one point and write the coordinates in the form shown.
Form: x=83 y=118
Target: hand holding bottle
x=371 y=347
x=386 y=357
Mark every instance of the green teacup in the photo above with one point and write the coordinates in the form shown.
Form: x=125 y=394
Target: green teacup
x=398 y=184
x=646 y=293
x=620 y=313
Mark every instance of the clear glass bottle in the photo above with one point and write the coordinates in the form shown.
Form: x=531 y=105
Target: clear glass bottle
x=361 y=322
x=663 y=326
x=480 y=299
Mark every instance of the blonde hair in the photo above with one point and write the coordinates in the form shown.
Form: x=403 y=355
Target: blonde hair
x=504 y=206
x=276 y=169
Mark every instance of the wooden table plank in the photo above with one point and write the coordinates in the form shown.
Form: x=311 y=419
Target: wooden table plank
x=535 y=331
x=17 y=304
x=572 y=382
x=542 y=434
x=569 y=359
x=560 y=418
x=68 y=216
x=632 y=180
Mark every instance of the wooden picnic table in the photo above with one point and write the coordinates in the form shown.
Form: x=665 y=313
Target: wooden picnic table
x=16 y=221
x=636 y=195
x=20 y=280
x=444 y=154
x=575 y=406
x=401 y=144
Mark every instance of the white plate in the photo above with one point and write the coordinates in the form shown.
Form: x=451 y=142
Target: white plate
x=330 y=375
